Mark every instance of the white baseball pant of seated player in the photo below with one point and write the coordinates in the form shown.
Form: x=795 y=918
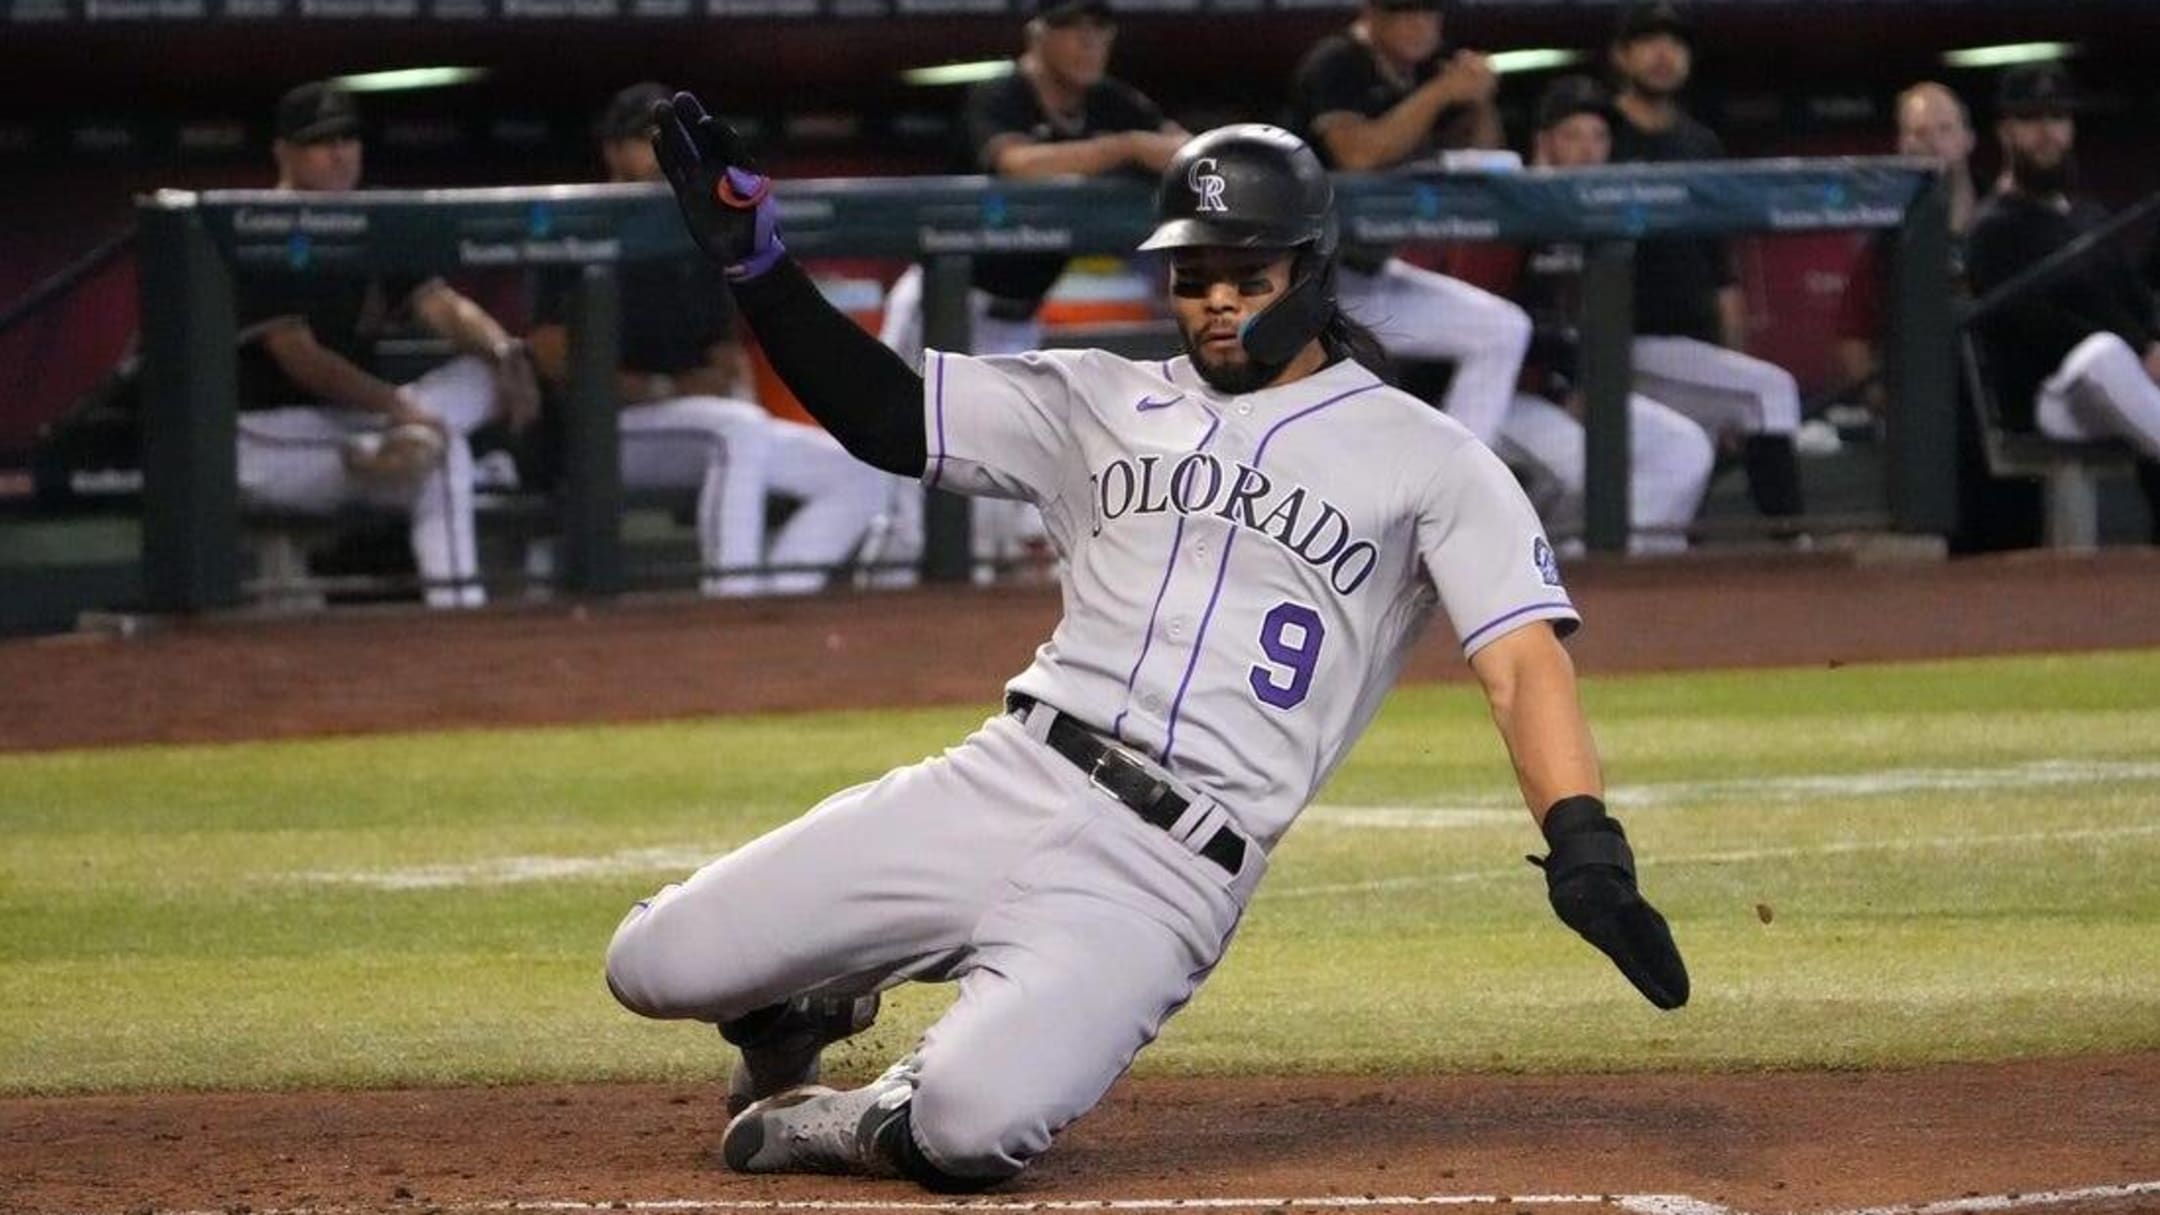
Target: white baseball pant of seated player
x=1670 y=459
x=734 y=454
x=2102 y=391
x=292 y=458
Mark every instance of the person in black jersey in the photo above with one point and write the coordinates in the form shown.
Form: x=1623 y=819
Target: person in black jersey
x=2079 y=357
x=689 y=417
x=1059 y=113
x=1380 y=95
x=317 y=429
x=1994 y=513
x=1690 y=314
x=1669 y=457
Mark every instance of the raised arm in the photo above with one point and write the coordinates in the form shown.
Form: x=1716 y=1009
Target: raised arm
x=861 y=392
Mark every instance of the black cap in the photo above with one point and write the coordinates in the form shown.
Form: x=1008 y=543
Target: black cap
x=1065 y=12
x=1571 y=95
x=629 y=113
x=1410 y=6
x=2035 y=90
x=1641 y=20
x=316 y=111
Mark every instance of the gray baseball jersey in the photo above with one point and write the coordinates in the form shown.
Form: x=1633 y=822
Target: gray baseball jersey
x=1245 y=574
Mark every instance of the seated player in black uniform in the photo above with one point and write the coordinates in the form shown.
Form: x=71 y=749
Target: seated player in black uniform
x=1380 y=95
x=1690 y=314
x=690 y=418
x=317 y=429
x=1058 y=114
x=2077 y=358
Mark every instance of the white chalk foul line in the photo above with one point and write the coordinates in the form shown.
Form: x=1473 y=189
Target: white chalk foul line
x=1505 y=808
x=1500 y=811
x=2016 y=1202
x=1736 y=856
x=1634 y=1204
x=511 y=870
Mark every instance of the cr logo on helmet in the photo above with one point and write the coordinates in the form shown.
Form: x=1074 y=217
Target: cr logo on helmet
x=1207 y=185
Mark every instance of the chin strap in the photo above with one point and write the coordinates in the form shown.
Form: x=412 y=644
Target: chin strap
x=1277 y=332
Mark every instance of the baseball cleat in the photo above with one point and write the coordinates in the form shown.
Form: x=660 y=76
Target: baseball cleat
x=812 y=1129
x=815 y=1129
x=786 y=1057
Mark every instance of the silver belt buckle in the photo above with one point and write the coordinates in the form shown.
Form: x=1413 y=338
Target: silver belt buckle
x=1118 y=756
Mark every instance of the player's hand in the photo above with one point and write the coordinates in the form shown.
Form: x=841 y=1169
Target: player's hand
x=1590 y=879
x=2152 y=362
x=1467 y=79
x=725 y=201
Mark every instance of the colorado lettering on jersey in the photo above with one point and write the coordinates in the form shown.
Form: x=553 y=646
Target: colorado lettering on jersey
x=1302 y=522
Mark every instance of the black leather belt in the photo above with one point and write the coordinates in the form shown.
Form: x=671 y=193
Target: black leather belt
x=1113 y=770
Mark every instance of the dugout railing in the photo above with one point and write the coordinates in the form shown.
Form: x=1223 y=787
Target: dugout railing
x=193 y=243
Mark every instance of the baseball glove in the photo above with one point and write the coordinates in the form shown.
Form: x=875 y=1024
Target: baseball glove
x=1590 y=879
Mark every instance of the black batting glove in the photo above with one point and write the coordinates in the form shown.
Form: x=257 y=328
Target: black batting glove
x=1590 y=878
x=725 y=201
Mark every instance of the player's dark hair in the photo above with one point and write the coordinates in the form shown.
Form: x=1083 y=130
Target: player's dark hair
x=1345 y=338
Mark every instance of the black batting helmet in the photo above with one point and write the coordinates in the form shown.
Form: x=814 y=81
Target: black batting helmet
x=1254 y=186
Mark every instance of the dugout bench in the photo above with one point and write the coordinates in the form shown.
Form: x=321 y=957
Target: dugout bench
x=192 y=243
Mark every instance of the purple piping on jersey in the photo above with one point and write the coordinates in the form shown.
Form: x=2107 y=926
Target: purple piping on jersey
x=1488 y=627
x=1147 y=639
x=937 y=458
x=1223 y=568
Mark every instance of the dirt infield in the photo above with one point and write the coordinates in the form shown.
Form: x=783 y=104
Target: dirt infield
x=562 y=664
x=1755 y=1142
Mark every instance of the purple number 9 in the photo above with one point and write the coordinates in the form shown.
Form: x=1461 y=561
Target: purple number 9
x=1291 y=637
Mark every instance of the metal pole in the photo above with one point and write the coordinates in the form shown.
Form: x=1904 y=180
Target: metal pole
x=947 y=325
x=1921 y=425
x=1608 y=332
x=592 y=438
x=191 y=494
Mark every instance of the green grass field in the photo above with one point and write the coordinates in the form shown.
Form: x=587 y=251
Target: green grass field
x=1958 y=860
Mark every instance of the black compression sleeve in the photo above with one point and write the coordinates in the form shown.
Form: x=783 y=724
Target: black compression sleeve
x=861 y=391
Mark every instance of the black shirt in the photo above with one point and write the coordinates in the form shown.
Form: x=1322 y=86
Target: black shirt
x=1009 y=106
x=2028 y=338
x=1549 y=288
x=347 y=315
x=1676 y=281
x=1340 y=74
x=674 y=310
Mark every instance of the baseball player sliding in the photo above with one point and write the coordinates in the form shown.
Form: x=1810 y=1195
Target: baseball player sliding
x=1254 y=534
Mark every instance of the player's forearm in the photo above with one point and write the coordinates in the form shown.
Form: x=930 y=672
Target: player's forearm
x=329 y=376
x=1082 y=157
x=861 y=392
x=1530 y=686
x=1359 y=144
x=466 y=324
